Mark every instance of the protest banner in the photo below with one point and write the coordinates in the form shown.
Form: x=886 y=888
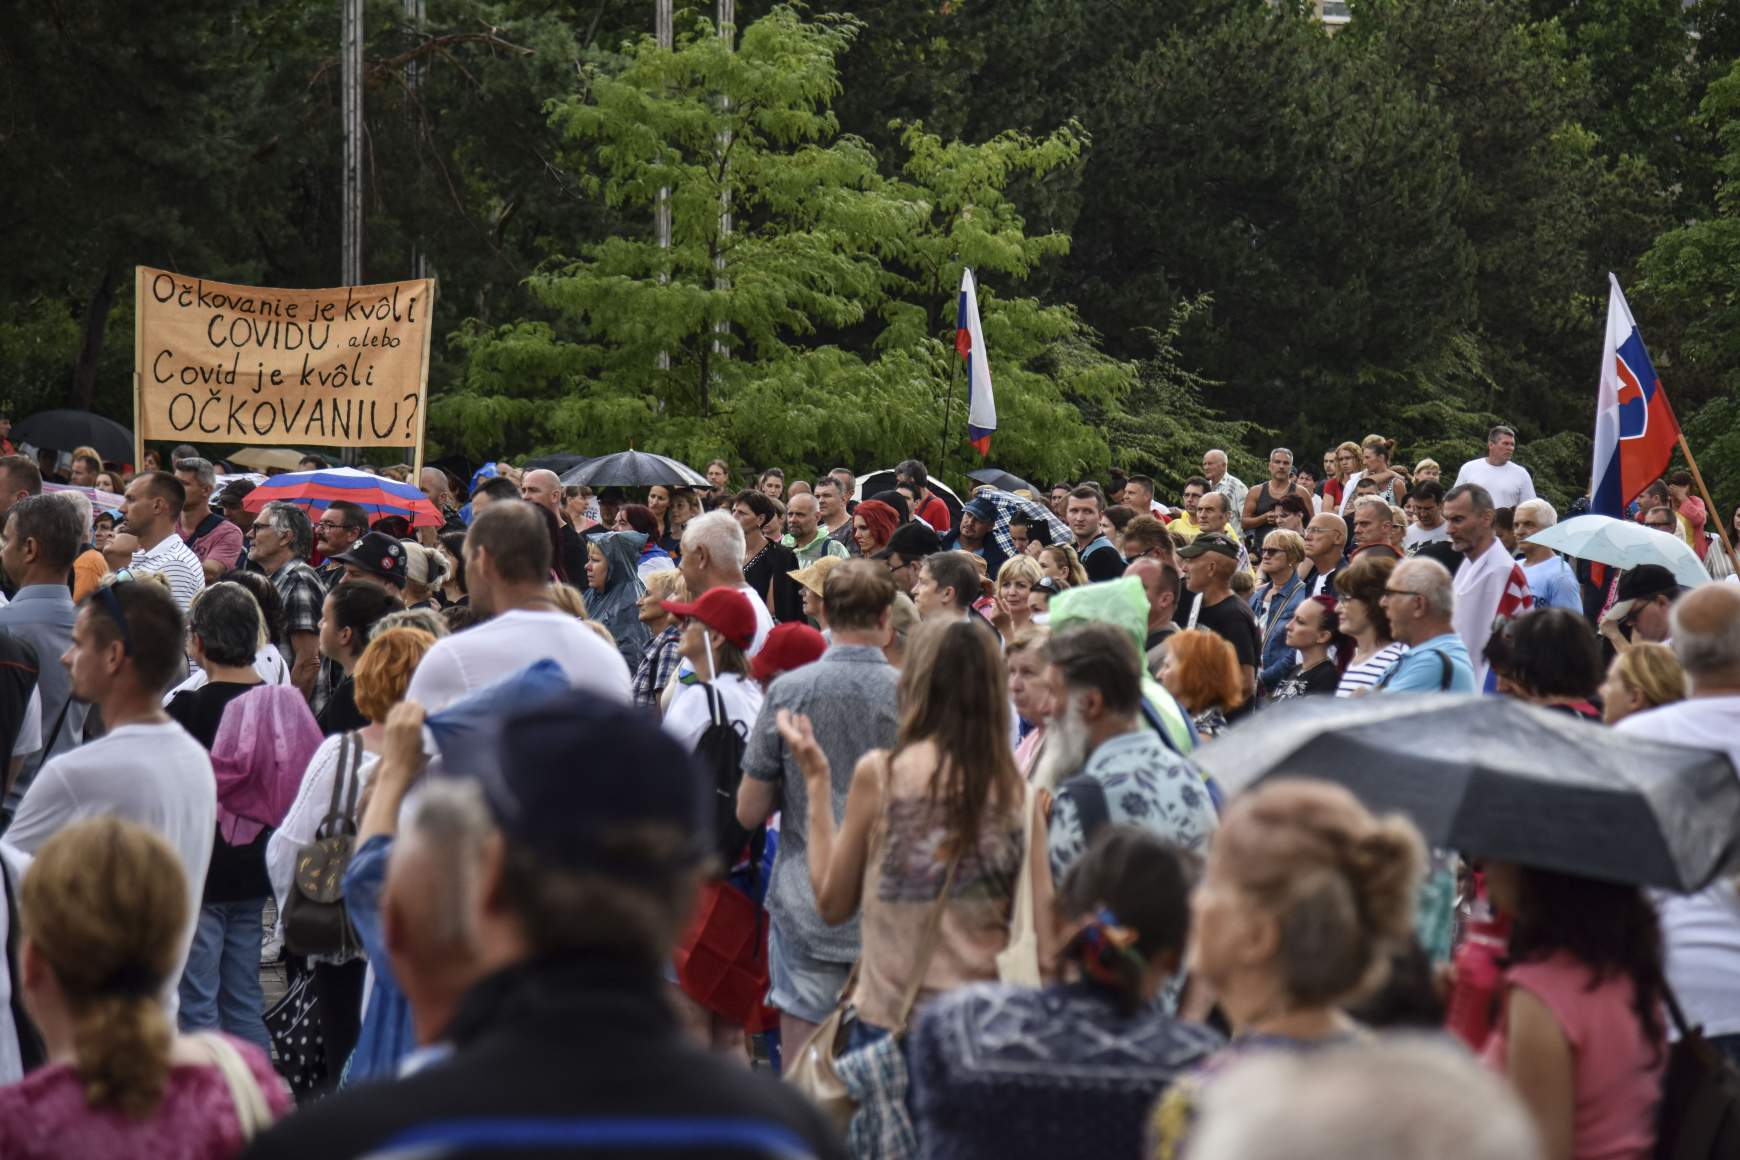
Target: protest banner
x=219 y=363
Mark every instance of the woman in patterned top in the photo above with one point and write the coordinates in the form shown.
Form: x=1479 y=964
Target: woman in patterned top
x=1305 y=898
x=1006 y=1072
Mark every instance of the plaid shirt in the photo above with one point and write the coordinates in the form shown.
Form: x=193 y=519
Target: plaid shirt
x=302 y=594
x=657 y=665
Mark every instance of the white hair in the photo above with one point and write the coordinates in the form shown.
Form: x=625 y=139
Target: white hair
x=1431 y=580
x=720 y=534
x=81 y=503
x=1399 y=1098
x=449 y=816
x=1376 y=501
x=1540 y=509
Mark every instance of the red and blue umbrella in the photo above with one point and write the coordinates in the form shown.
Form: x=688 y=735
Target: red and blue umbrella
x=375 y=494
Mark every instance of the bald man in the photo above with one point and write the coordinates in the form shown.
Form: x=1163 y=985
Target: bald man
x=1701 y=932
x=544 y=488
x=1161 y=581
x=1325 y=549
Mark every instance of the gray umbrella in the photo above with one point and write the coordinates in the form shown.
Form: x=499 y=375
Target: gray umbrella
x=1001 y=480
x=1494 y=777
x=634 y=469
x=1008 y=504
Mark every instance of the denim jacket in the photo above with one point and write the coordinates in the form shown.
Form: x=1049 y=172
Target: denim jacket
x=1276 y=658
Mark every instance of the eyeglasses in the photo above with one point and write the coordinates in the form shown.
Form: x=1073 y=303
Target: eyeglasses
x=111 y=604
x=1659 y=526
x=1402 y=592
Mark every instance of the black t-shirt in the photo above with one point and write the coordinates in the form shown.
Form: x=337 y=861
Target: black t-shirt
x=237 y=873
x=573 y=560
x=770 y=571
x=1233 y=619
x=340 y=714
x=1102 y=562
x=1322 y=677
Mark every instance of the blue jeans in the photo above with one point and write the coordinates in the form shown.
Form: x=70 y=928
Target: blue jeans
x=220 y=989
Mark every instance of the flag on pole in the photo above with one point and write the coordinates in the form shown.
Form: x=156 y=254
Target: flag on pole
x=970 y=342
x=1635 y=428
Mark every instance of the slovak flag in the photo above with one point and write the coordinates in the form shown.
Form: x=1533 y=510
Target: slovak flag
x=970 y=342
x=1635 y=428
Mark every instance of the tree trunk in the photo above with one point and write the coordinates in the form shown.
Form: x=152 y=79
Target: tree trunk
x=84 y=383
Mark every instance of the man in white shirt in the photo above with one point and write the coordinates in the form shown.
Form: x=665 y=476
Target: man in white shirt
x=152 y=506
x=1701 y=932
x=1426 y=504
x=507 y=574
x=126 y=649
x=713 y=558
x=1490 y=586
x=1231 y=486
x=1507 y=483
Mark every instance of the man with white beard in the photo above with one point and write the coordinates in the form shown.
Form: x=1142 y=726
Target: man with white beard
x=1108 y=766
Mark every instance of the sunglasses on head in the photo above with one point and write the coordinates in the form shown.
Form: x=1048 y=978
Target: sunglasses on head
x=110 y=603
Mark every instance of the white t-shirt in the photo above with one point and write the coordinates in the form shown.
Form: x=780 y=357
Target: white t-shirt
x=172 y=557
x=303 y=820
x=763 y=618
x=1416 y=535
x=510 y=641
x=689 y=714
x=1508 y=483
x=1700 y=932
x=1362 y=678
x=156 y=775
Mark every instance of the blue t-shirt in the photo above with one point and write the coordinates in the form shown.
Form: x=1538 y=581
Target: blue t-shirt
x=1554 y=585
x=1421 y=671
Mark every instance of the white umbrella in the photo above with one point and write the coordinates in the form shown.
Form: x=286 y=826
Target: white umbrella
x=1623 y=544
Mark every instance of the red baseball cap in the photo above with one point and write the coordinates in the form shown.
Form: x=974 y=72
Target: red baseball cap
x=789 y=646
x=724 y=610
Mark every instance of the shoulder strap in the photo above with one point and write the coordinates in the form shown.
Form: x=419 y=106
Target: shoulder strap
x=927 y=946
x=1089 y=797
x=31 y=1050
x=715 y=704
x=253 y=1114
x=1448 y=671
x=340 y=808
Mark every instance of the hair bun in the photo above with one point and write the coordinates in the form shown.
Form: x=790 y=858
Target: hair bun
x=1387 y=864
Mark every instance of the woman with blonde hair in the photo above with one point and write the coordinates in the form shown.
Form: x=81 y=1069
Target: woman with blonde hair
x=1016 y=580
x=1644 y=676
x=1304 y=900
x=658 y=664
x=104 y=913
x=1201 y=671
x=1060 y=563
x=381 y=675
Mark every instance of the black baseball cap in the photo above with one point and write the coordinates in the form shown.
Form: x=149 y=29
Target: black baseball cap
x=573 y=768
x=380 y=554
x=1641 y=585
x=1217 y=542
x=233 y=493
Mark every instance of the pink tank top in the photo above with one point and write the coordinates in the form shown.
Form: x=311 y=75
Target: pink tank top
x=1617 y=1072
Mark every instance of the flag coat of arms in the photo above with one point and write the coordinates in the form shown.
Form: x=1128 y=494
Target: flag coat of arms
x=970 y=342
x=1635 y=428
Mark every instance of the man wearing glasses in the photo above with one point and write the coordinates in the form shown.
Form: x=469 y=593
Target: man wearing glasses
x=1419 y=600
x=282 y=538
x=906 y=549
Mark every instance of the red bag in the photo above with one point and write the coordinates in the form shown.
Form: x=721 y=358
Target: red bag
x=722 y=958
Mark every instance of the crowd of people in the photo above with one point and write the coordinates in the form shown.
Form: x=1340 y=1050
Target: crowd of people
x=489 y=792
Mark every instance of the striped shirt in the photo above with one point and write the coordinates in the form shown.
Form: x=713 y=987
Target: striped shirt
x=1360 y=678
x=172 y=557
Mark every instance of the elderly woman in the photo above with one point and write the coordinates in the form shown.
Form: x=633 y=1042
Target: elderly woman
x=812 y=581
x=1275 y=602
x=613 y=586
x=1645 y=676
x=658 y=664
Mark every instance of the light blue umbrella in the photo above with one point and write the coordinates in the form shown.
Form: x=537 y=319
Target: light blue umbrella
x=1624 y=545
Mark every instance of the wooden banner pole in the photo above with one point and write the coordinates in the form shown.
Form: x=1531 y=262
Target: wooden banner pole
x=1709 y=504
x=138 y=367
x=423 y=407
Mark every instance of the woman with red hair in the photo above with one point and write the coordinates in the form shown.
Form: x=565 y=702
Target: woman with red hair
x=1202 y=672
x=873 y=525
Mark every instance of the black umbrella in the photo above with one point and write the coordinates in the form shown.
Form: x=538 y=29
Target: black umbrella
x=555 y=463
x=872 y=485
x=64 y=430
x=1001 y=480
x=634 y=469
x=1494 y=777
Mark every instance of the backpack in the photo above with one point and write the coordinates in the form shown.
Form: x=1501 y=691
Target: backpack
x=720 y=752
x=1447 y=672
x=315 y=920
x=1699 y=1114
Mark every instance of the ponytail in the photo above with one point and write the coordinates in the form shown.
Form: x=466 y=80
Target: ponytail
x=121 y=1044
x=1131 y=890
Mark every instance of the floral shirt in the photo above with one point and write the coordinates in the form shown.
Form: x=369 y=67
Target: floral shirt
x=1146 y=785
